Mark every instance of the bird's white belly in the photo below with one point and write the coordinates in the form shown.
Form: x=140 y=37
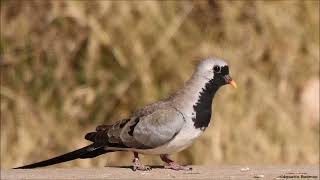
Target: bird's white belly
x=182 y=140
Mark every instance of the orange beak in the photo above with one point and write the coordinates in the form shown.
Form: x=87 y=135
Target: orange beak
x=233 y=84
x=230 y=81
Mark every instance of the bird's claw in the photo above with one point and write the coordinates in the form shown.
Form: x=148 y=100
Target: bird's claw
x=141 y=167
x=177 y=167
x=138 y=166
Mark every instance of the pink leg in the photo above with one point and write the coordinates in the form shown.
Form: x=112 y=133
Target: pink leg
x=137 y=165
x=172 y=164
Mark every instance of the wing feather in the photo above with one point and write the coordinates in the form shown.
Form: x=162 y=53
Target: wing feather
x=154 y=129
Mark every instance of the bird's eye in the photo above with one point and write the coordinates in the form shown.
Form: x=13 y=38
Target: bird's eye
x=217 y=69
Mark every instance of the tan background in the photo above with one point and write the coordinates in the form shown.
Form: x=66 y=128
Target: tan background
x=67 y=66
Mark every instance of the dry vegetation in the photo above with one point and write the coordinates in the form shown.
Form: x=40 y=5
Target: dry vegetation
x=67 y=66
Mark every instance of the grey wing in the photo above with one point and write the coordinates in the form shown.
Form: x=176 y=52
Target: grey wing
x=153 y=129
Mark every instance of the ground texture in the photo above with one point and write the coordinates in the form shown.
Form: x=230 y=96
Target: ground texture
x=198 y=172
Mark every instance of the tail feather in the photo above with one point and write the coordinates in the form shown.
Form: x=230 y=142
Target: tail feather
x=85 y=152
x=95 y=153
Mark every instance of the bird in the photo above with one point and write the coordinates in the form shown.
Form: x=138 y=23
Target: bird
x=160 y=128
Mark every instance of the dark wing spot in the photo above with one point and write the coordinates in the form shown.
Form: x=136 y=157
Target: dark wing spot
x=124 y=122
x=103 y=127
x=133 y=126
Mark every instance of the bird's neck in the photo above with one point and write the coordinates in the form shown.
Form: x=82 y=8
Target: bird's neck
x=195 y=100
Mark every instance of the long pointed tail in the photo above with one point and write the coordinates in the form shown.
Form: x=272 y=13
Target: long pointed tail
x=85 y=152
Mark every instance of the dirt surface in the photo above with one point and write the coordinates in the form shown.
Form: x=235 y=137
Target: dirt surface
x=198 y=172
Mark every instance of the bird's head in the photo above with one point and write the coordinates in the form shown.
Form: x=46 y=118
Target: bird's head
x=216 y=70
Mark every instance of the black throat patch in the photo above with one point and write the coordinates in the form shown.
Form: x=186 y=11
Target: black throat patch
x=203 y=107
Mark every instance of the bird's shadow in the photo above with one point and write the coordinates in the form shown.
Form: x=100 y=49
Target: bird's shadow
x=151 y=166
x=130 y=167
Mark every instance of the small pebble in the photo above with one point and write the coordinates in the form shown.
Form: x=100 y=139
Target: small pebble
x=245 y=169
x=259 y=176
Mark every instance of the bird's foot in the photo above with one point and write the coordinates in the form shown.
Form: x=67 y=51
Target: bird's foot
x=172 y=165
x=177 y=167
x=138 y=166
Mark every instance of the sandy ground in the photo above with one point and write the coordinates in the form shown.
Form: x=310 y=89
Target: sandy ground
x=198 y=172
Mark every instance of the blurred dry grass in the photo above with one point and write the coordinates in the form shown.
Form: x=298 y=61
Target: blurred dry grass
x=67 y=66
